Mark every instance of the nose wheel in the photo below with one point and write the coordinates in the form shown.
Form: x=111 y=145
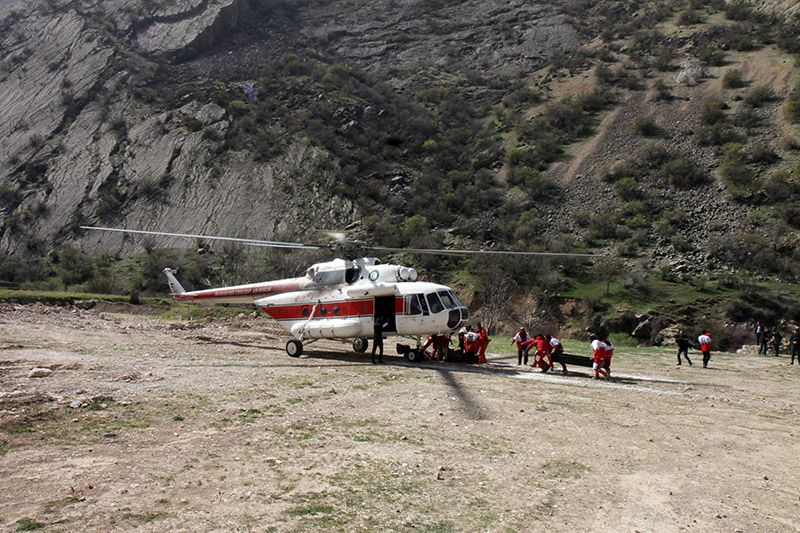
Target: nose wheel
x=294 y=348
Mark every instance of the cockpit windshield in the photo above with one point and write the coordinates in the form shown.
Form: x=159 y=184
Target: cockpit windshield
x=434 y=303
x=449 y=299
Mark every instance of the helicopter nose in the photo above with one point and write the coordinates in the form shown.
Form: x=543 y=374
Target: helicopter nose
x=457 y=317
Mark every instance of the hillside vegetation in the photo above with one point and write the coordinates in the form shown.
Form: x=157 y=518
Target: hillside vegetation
x=662 y=134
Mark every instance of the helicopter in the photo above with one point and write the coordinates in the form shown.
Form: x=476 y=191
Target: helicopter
x=342 y=298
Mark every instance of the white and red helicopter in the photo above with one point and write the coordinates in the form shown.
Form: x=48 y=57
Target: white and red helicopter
x=341 y=299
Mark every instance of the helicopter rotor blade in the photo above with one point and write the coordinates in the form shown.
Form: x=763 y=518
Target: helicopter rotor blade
x=434 y=251
x=340 y=240
x=247 y=242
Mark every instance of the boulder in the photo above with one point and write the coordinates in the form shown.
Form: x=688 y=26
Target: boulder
x=40 y=372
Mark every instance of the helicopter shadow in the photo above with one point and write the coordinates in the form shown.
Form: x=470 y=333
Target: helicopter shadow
x=468 y=404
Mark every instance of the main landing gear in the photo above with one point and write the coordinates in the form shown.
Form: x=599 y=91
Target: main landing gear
x=360 y=344
x=294 y=348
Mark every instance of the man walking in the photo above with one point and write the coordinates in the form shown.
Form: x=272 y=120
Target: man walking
x=683 y=347
x=763 y=342
x=794 y=345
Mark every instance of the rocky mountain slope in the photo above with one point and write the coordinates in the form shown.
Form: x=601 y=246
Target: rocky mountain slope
x=600 y=124
x=81 y=146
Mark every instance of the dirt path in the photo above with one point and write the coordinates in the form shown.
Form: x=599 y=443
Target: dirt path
x=151 y=425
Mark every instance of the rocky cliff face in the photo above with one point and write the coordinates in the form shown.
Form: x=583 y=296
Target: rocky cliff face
x=402 y=37
x=80 y=145
x=133 y=113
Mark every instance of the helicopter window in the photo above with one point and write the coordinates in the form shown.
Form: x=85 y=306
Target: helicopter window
x=305 y=311
x=447 y=299
x=455 y=299
x=412 y=305
x=336 y=310
x=422 y=303
x=323 y=311
x=434 y=303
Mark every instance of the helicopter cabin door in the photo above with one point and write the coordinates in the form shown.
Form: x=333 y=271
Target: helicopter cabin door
x=385 y=307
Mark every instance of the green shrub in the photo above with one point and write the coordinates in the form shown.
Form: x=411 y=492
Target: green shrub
x=792 y=107
x=713 y=112
x=760 y=95
x=681 y=173
x=689 y=17
x=645 y=126
x=733 y=79
x=627 y=189
x=717 y=135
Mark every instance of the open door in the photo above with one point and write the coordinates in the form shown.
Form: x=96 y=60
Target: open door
x=384 y=307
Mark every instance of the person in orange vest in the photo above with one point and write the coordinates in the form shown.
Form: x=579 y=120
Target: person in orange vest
x=607 y=358
x=483 y=343
x=521 y=338
x=598 y=356
x=705 y=347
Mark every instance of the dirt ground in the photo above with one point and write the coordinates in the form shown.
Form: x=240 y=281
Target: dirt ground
x=155 y=425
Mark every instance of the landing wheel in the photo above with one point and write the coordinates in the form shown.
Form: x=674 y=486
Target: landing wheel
x=294 y=348
x=360 y=344
x=414 y=356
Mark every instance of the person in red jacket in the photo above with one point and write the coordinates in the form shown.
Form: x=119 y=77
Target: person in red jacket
x=483 y=343
x=542 y=358
x=705 y=348
x=598 y=356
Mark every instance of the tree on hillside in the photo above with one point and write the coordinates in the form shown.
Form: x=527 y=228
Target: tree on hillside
x=609 y=269
x=498 y=291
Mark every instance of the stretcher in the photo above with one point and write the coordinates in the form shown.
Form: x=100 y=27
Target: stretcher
x=575 y=360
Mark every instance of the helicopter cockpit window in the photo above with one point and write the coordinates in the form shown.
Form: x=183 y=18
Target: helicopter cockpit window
x=423 y=304
x=448 y=299
x=434 y=303
x=413 y=306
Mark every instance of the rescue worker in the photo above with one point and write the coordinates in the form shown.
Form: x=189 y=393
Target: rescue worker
x=607 y=358
x=705 y=347
x=439 y=345
x=794 y=344
x=471 y=345
x=683 y=347
x=556 y=349
x=521 y=338
x=542 y=358
x=763 y=342
x=377 y=337
x=775 y=341
x=483 y=343
x=598 y=356
x=444 y=344
x=461 y=335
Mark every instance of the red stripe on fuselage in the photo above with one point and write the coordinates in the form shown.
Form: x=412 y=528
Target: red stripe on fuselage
x=347 y=309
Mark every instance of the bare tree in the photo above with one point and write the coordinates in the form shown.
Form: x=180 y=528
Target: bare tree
x=498 y=291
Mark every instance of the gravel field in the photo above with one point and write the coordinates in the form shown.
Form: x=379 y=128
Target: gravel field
x=142 y=424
